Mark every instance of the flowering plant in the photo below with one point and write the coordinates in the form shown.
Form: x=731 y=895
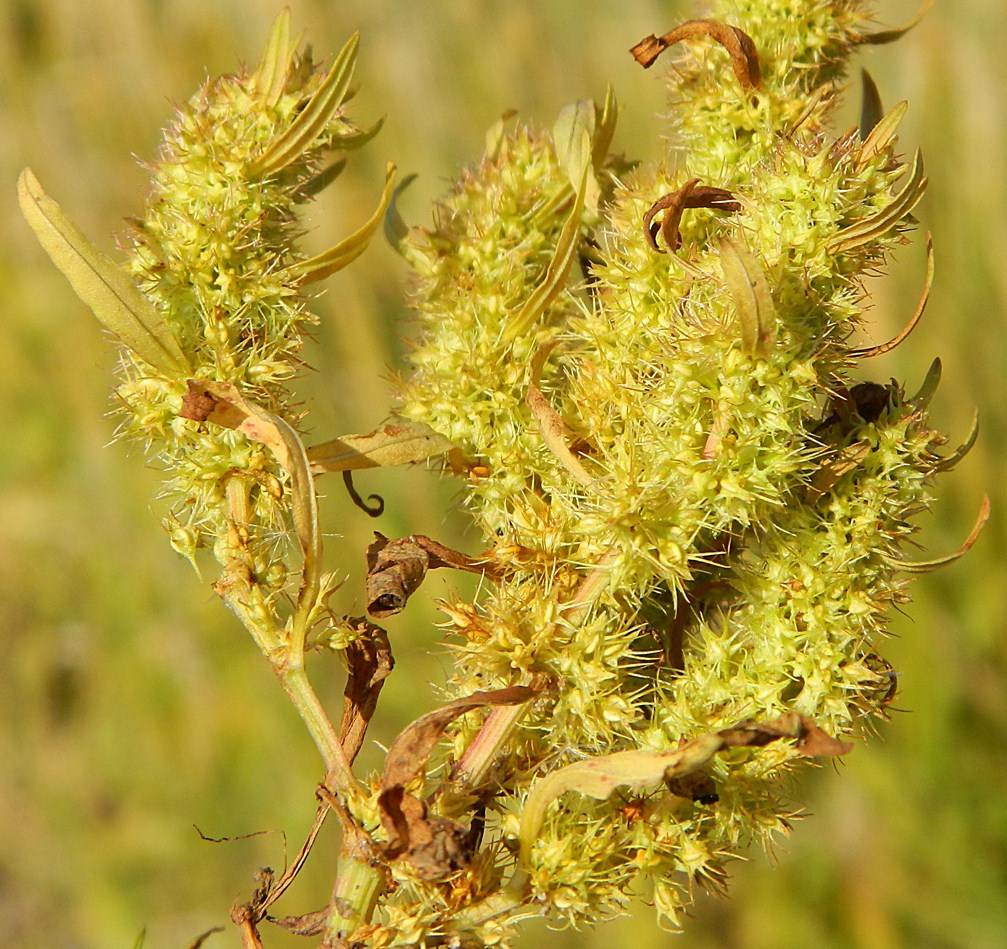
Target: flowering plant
x=693 y=513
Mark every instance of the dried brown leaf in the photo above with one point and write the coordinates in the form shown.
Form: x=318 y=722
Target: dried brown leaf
x=369 y=662
x=403 y=816
x=309 y=924
x=744 y=55
x=690 y=195
x=395 y=568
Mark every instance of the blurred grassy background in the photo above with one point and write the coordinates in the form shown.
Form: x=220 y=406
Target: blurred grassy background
x=132 y=705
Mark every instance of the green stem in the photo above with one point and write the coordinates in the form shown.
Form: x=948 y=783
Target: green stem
x=295 y=682
x=359 y=884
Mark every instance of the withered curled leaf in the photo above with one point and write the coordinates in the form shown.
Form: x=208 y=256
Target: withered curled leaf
x=369 y=662
x=690 y=195
x=432 y=844
x=395 y=568
x=744 y=55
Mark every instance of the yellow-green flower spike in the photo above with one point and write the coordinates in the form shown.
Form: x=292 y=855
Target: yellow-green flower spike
x=701 y=508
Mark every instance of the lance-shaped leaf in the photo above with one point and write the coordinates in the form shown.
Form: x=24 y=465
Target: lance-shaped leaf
x=563 y=256
x=312 y=120
x=347 y=250
x=890 y=36
x=396 y=229
x=752 y=299
x=882 y=134
x=606 y=128
x=575 y=121
x=401 y=442
x=874 y=226
x=270 y=76
x=871 y=110
x=100 y=283
x=354 y=138
x=600 y=777
x=928 y=390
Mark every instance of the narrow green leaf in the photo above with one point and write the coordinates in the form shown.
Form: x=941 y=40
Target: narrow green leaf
x=396 y=229
x=313 y=118
x=563 y=256
x=574 y=122
x=890 y=36
x=752 y=299
x=949 y=461
x=550 y=423
x=882 y=133
x=873 y=227
x=928 y=390
x=100 y=283
x=356 y=138
x=867 y=352
x=871 y=110
x=606 y=128
x=347 y=250
x=398 y=443
x=270 y=76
